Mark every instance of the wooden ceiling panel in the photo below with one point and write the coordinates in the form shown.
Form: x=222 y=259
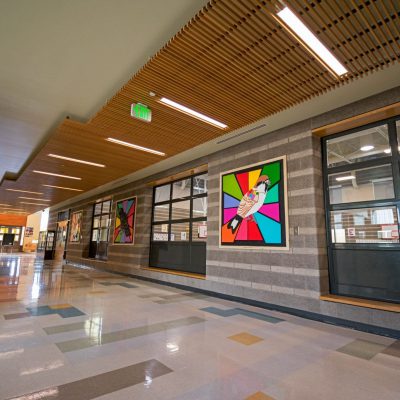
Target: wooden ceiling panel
x=234 y=62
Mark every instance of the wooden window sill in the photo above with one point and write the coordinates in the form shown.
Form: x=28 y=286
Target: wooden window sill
x=376 y=305
x=173 y=272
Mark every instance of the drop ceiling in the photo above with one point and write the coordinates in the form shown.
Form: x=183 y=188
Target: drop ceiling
x=232 y=61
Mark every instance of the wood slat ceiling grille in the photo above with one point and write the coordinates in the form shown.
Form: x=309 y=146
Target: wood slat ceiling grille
x=233 y=62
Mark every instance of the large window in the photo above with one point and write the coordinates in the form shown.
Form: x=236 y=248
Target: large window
x=362 y=188
x=100 y=230
x=15 y=230
x=179 y=226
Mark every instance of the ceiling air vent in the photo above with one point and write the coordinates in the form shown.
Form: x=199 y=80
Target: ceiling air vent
x=241 y=133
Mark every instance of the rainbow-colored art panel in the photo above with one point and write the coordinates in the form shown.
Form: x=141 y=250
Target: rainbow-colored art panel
x=125 y=221
x=76 y=222
x=253 y=205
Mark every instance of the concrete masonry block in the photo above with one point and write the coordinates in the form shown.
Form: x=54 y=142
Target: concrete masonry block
x=281 y=289
x=260 y=267
x=385 y=318
x=281 y=269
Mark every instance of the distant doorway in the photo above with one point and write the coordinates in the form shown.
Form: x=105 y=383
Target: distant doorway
x=100 y=230
x=61 y=237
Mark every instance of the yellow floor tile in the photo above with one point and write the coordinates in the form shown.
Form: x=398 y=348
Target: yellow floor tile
x=259 y=396
x=245 y=338
x=60 y=306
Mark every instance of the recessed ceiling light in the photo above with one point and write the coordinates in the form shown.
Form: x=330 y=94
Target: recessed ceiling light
x=76 y=160
x=312 y=42
x=36 y=204
x=59 y=175
x=135 y=146
x=32 y=198
x=64 y=188
x=192 y=113
x=387 y=151
x=23 y=191
x=345 y=178
x=367 y=147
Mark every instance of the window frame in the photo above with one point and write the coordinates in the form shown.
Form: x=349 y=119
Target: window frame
x=170 y=221
x=393 y=159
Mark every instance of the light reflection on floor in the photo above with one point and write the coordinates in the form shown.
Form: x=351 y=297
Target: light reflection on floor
x=74 y=333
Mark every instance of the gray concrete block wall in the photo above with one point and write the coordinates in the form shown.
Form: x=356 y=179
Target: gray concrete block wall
x=294 y=278
x=300 y=271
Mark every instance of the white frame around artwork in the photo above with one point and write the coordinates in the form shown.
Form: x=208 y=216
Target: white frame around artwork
x=261 y=247
x=134 y=221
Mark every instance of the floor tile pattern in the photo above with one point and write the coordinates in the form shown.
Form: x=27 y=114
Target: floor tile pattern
x=122 y=284
x=245 y=338
x=362 y=349
x=63 y=310
x=259 y=396
x=99 y=385
x=58 y=340
x=239 y=311
x=393 y=349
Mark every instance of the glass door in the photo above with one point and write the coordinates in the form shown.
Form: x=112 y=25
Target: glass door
x=50 y=245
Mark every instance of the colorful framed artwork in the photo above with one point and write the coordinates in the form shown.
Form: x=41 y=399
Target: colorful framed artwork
x=125 y=213
x=253 y=203
x=76 y=222
x=28 y=231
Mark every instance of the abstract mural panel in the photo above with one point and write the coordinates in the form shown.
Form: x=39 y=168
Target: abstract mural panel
x=76 y=221
x=125 y=212
x=254 y=206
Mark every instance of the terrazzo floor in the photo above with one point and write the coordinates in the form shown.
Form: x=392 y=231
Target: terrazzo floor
x=80 y=334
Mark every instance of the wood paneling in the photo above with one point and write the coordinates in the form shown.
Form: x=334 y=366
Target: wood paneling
x=233 y=62
x=358 y=120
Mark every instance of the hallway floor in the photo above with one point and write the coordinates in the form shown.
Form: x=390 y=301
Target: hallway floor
x=80 y=334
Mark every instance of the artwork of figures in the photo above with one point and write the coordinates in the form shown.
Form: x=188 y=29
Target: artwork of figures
x=125 y=221
x=28 y=231
x=76 y=221
x=253 y=206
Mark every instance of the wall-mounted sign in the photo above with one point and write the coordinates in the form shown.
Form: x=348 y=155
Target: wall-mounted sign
x=351 y=232
x=202 y=231
x=140 y=111
x=28 y=231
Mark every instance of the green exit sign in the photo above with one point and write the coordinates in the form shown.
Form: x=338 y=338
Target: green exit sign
x=140 y=111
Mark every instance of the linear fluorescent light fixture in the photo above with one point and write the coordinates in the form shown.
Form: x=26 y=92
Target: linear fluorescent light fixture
x=367 y=147
x=135 y=146
x=32 y=198
x=64 y=188
x=314 y=44
x=36 y=204
x=23 y=191
x=192 y=113
x=76 y=160
x=345 y=178
x=5 y=205
x=59 y=175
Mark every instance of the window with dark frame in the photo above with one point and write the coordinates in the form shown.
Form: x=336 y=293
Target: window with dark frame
x=180 y=210
x=100 y=229
x=362 y=198
x=15 y=230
